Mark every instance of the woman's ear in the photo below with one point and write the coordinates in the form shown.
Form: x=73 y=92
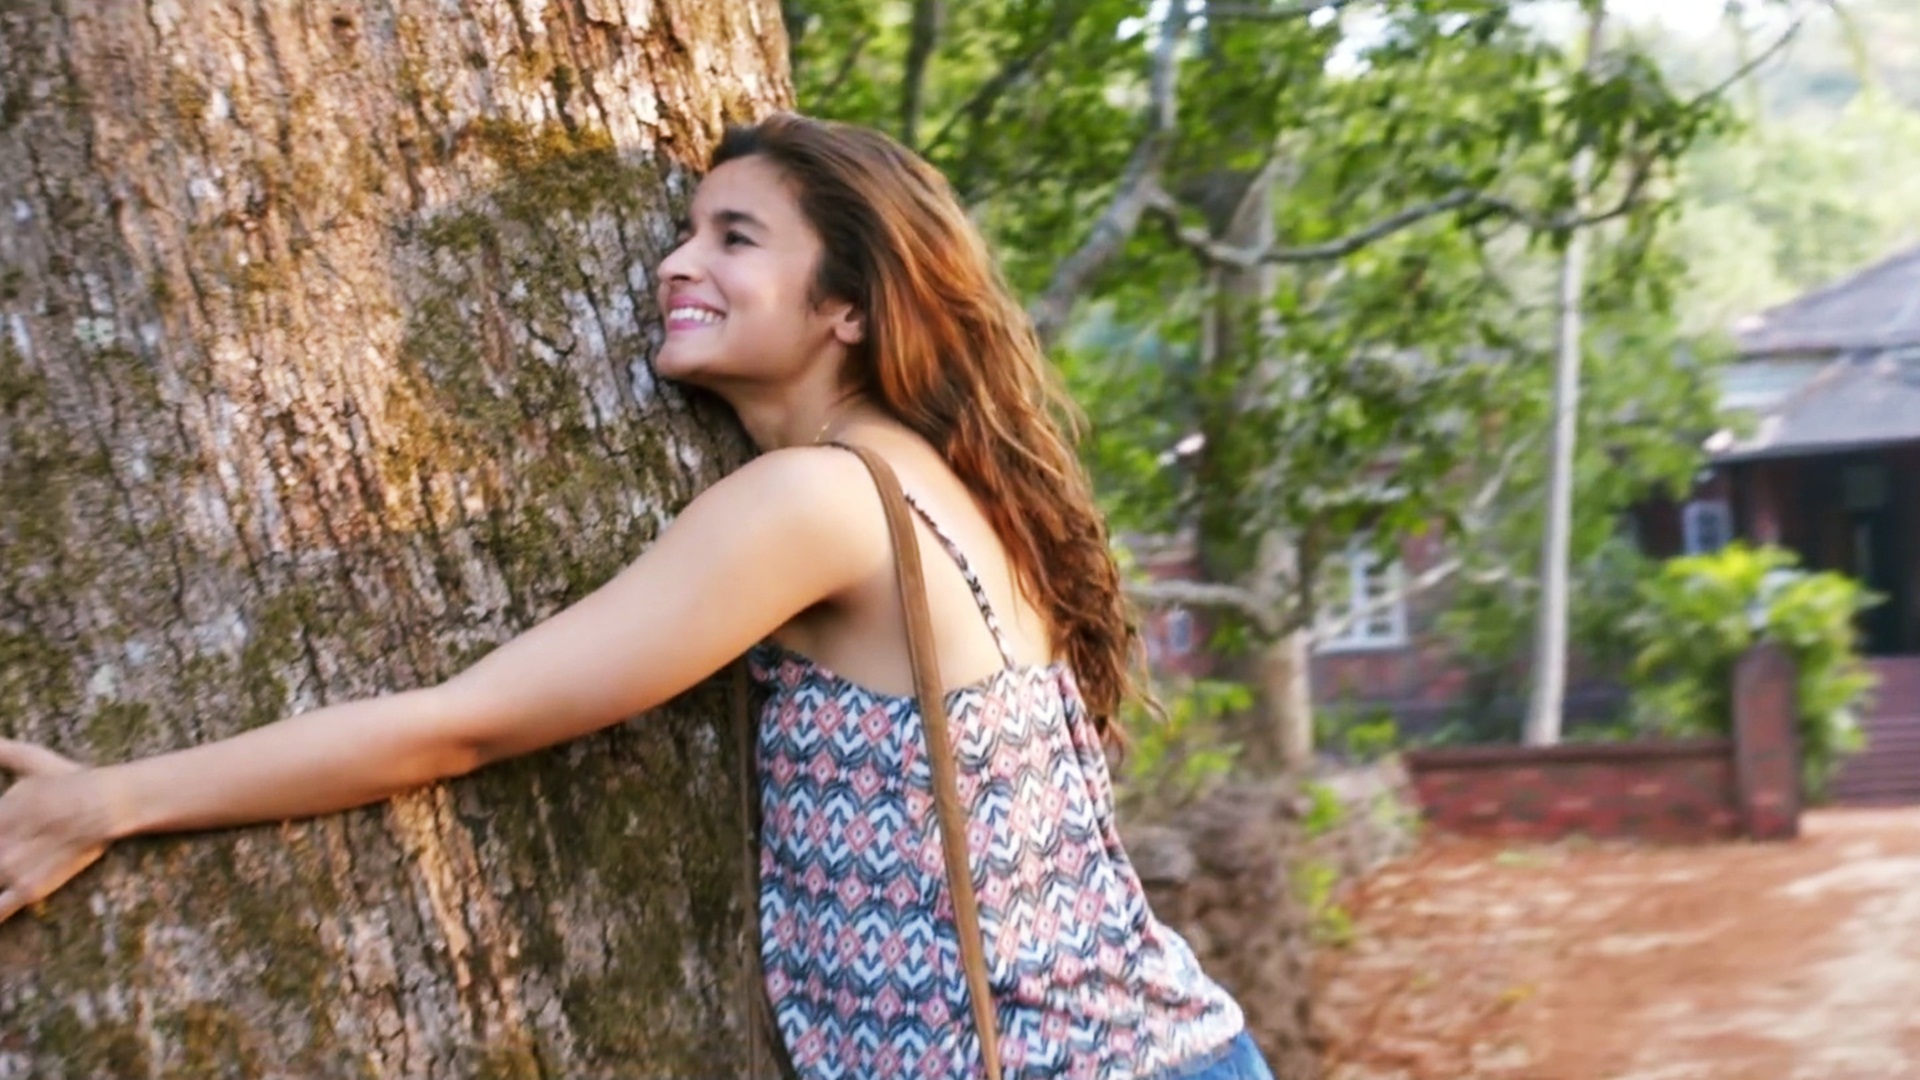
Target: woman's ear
x=850 y=326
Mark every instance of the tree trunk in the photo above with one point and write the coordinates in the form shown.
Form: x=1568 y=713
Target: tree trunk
x=1547 y=705
x=1284 y=688
x=1243 y=333
x=324 y=369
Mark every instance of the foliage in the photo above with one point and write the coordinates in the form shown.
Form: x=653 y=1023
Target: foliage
x=1356 y=734
x=1176 y=755
x=1381 y=386
x=1325 y=811
x=1822 y=177
x=1795 y=206
x=1317 y=877
x=1700 y=613
x=1488 y=621
x=1329 y=922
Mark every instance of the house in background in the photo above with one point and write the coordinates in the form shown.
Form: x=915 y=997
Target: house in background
x=1827 y=465
x=1830 y=464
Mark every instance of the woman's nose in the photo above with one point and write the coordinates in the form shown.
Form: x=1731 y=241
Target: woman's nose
x=680 y=264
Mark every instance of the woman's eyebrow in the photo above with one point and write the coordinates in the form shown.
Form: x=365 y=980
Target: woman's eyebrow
x=729 y=218
x=722 y=219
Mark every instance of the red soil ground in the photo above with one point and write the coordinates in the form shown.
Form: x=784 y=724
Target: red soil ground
x=1586 y=961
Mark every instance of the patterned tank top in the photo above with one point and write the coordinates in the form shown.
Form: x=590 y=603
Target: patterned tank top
x=857 y=932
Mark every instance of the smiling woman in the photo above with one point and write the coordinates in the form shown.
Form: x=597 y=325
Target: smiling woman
x=832 y=292
x=739 y=292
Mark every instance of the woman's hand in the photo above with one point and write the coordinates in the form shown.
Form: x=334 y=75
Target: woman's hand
x=53 y=824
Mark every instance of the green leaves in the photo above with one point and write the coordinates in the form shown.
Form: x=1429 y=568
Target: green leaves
x=1174 y=758
x=1394 y=388
x=1699 y=614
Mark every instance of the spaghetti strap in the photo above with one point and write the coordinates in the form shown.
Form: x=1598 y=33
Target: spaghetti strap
x=973 y=580
x=966 y=571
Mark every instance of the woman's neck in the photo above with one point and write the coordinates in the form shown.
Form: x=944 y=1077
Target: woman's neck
x=808 y=424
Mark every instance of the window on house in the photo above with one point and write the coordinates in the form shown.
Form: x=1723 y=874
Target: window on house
x=1706 y=526
x=1365 y=604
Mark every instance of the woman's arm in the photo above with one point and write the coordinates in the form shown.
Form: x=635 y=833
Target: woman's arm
x=769 y=541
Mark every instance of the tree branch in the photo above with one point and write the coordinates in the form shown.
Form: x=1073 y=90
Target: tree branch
x=1438 y=574
x=1261 y=13
x=1430 y=578
x=1139 y=182
x=1205 y=595
x=925 y=32
x=988 y=93
x=1243 y=258
x=1168 y=208
x=845 y=70
x=1752 y=63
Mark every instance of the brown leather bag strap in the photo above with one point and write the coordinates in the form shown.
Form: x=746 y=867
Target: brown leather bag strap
x=946 y=785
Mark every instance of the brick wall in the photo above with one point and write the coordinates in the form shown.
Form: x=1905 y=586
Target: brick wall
x=1677 y=791
x=1673 y=790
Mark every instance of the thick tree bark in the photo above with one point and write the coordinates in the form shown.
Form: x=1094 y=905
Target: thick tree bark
x=324 y=367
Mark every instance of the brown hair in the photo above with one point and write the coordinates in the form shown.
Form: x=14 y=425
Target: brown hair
x=951 y=354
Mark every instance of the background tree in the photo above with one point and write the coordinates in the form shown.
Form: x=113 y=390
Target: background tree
x=1317 y=312
x=324 y=370
x=1814 y=185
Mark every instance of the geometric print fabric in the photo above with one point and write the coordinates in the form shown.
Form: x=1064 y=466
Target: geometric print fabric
x=858 y=940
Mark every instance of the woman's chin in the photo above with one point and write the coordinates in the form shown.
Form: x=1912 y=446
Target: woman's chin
x=676 y=365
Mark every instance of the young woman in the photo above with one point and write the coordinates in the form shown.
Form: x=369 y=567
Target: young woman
x=830 y=289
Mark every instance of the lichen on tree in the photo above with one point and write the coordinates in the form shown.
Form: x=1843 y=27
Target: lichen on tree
x=324 y=368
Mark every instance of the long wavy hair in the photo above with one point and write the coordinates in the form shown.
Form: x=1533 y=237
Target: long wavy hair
x=951 y=354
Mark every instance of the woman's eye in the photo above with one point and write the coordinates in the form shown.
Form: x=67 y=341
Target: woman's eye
x=735 y=237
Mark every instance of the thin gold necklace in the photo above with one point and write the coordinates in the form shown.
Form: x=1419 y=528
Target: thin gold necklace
x=832 y=414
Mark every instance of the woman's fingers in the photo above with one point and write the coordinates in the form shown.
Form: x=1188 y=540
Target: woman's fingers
x=50 y=827
x=27 y=759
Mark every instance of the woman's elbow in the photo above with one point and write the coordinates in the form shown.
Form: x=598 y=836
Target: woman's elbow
x=450 y=743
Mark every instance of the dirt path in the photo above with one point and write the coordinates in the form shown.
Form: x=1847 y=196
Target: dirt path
x=1582 y=961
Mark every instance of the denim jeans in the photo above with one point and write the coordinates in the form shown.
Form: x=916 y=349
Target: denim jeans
x=1238 y=1060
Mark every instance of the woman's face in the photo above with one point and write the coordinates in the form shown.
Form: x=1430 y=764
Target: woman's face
x=735 y=293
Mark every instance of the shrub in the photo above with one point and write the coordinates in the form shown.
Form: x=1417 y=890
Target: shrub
x=1173 y=759
x=1700 y=613
x=1356 y=733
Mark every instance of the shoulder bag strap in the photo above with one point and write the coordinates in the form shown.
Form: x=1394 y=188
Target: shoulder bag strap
x=946 y=786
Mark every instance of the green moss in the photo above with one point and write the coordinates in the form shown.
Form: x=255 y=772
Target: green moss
x=186 y=99
x=273 y=646
x=516 y=1061
x=556 y=168
x=13 y=106
x=114 y=729
x=254 y=918
x=131 y=372
x=597 y=822
x=215 y=1045
x=463 y=232
x=260 y=277
x=38 y=462
x=20 y=386
x=111 y=1048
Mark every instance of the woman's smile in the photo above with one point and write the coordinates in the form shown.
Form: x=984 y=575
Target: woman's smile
x=687 y=315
